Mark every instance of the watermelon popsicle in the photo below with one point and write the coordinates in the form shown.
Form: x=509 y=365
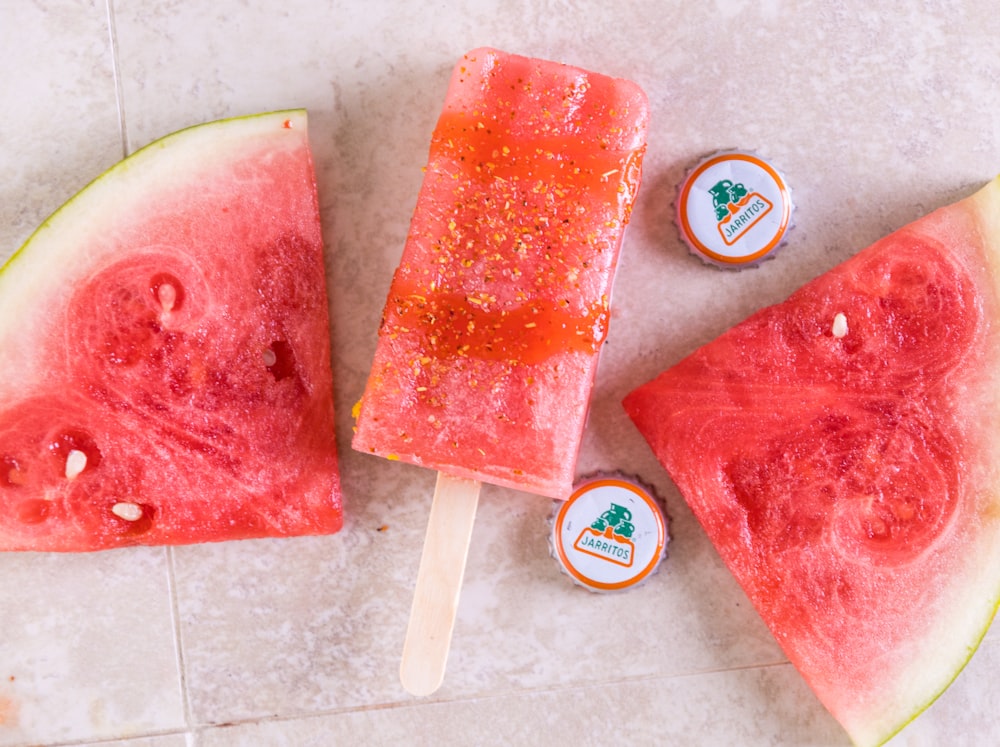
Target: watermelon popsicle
x=490 y=335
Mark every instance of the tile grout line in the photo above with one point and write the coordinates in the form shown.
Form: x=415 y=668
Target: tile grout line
x=109 y=7
x=175 y=615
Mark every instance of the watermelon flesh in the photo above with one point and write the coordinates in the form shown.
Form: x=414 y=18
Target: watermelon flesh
x=166 y=338
x=840 y=451
x=490 y=335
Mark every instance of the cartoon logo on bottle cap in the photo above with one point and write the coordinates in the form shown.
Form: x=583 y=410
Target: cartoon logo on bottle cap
x=608 y=536
x=736 y=209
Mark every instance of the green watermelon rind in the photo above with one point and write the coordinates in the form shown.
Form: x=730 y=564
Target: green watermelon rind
x=134 y=159
x=973 y=647
x=984 y=206
x=941 y=686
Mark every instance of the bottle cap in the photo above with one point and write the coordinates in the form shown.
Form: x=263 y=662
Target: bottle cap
x=610 y=534
x=734 y=209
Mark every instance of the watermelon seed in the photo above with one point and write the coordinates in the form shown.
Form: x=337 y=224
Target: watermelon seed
x=76 y=462
x=12 y=474
x=279 y=359
x=839 y=329
x=166 y=294
x=127 y=511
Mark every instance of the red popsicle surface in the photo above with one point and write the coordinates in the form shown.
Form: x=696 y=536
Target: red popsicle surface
x=490 y=336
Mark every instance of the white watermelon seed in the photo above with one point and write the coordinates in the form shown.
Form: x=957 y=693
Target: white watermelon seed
x=127 y=511
x=76 y=462
x=16 y=476
x=270 y=358
x=166 y=294
x=839 y=325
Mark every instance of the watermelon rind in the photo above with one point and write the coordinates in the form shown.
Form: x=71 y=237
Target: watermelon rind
x=949 y=647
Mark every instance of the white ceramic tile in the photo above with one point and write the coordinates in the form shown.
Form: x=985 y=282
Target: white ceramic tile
x=58 y=113
x=278 y=627
x=523 y=624
x=744 y=707
x=88 y=647
x=166 y=740
x=754 y=707
x=272 y=628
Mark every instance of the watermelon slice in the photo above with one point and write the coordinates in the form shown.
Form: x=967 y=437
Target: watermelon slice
x=165 y=336
x=840 y=451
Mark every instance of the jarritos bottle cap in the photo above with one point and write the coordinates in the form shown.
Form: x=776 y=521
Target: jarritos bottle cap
x=610 y=534
x=734 y=209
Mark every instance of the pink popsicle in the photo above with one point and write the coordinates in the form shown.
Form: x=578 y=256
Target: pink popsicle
x=490 y=337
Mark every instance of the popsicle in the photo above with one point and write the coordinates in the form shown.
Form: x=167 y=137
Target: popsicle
x=490 y=335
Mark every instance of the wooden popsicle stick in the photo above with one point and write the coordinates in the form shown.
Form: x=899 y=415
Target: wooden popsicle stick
x=439 y=582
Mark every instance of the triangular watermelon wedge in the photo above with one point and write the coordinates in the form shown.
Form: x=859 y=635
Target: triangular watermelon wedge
x=841 y=450
x=164 y=339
